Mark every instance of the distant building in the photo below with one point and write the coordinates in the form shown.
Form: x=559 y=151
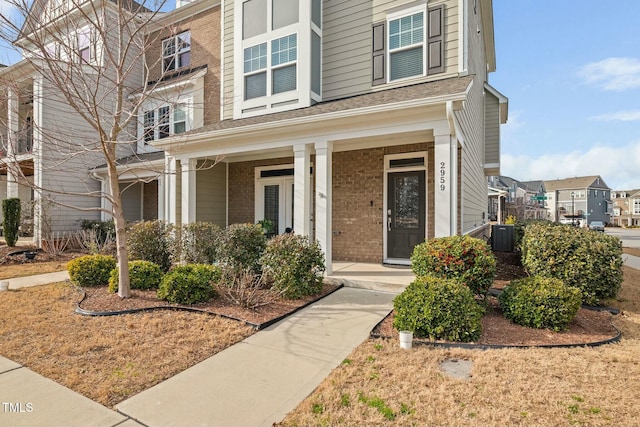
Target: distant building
x=579 y=200
x=626 y=208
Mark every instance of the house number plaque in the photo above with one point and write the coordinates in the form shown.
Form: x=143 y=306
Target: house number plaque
x=443 y=176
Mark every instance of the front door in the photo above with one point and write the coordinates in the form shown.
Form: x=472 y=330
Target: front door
x=405 y=213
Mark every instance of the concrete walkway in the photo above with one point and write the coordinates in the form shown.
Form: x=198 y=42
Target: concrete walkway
x=37 y=280
x=258 y=381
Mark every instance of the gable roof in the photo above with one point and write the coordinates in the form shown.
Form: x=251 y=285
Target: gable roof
x=593 y=181
x=532 y=186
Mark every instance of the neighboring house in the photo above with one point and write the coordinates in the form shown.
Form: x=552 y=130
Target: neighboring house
x=626 y=208
x=580 y=200
x=368 y=126
x=521 y=199
x=47 y=149
x=182 y=94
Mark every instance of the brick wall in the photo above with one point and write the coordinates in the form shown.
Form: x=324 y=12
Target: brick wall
x=358 y=187
x=242 y=188
x=205 y=50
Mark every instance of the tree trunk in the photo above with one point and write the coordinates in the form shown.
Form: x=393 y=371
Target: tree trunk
x=124 y=288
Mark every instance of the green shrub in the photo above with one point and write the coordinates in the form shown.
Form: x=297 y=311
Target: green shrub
x=540 y=302
x=151 y=241
x=199 y=243
x=142 y=275
x=440 y=309
x=11 y=220
x=294 y=264
x=91 y=270
x=591 y=262
x=189 y=284
x=463 y=258
x=241 y=247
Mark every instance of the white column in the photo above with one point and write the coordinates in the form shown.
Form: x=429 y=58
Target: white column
x=161 y=197
x=188 y=190
x=324 y=152
x=170 y=195
x=13 y=121
x=445 y=200
x=302 y=190
x=105 y=204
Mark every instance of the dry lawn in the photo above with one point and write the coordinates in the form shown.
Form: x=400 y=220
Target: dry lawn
x=107 y=359
x=381 y=384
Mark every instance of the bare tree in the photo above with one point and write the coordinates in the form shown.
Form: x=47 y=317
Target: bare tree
x=88 y=57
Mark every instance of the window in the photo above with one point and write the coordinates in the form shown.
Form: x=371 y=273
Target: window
x=84 y=45
x=282 y=67
x=176 y=51
x=408 y=45
x=636 y=206
x=164 y=122
x=406 y=39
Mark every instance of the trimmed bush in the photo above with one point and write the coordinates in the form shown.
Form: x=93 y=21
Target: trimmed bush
x=91 y=270
x=294 y=264
x=142 y=275
x=189 y=284
x=199 y=243
x=439 y=309
x=540 y=302
x=591 y=262
x=463 y=258
x=11 y=220
x=242 y=246
x=151 y=241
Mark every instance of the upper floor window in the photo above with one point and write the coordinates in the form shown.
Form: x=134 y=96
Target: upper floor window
x=636 y=206
x=164 y=121
x=408 y=44
x=85 y=42
x=270 y=68
x=176 y=51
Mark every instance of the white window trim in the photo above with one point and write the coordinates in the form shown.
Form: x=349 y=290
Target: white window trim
x=268 y=38
x=177 y=52
x=285 y=197
x=185 y=102
x=401 y=14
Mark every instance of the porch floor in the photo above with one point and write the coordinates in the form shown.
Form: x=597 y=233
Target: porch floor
x=379 y=277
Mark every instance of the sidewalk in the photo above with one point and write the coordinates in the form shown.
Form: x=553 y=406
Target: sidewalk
x=37 y=280
x=258 y=381
x=631 y=261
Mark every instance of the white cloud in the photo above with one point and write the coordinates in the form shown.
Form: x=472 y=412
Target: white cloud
x=616 y=165
x=617 y=74
x=624 y=116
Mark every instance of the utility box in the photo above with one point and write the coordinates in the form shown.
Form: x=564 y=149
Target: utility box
x=502 y=238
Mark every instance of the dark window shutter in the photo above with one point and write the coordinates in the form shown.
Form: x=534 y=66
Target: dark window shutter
x=379 y=53
x=435 y=40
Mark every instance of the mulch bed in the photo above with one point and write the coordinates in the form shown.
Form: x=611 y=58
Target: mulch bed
x=588 y=327
x=99 y=299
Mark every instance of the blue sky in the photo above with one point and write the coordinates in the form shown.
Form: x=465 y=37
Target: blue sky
x=571 y=71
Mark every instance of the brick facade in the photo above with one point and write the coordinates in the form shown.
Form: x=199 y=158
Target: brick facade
x=358 y=192
x=205 y=50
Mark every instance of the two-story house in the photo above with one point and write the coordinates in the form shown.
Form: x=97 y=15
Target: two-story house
x=47 y=146
x=626 y=208
x=369 y=126
x=521 y=199
x=579 y=200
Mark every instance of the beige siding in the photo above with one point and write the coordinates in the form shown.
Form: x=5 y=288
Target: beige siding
x=347 y=44
x=211 y=187
x=132 y=201
x=492 y=129
x=227 y=66
x=69 y=149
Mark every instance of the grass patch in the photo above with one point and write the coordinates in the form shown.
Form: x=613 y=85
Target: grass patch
x=516 y=387
x=107 y=359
